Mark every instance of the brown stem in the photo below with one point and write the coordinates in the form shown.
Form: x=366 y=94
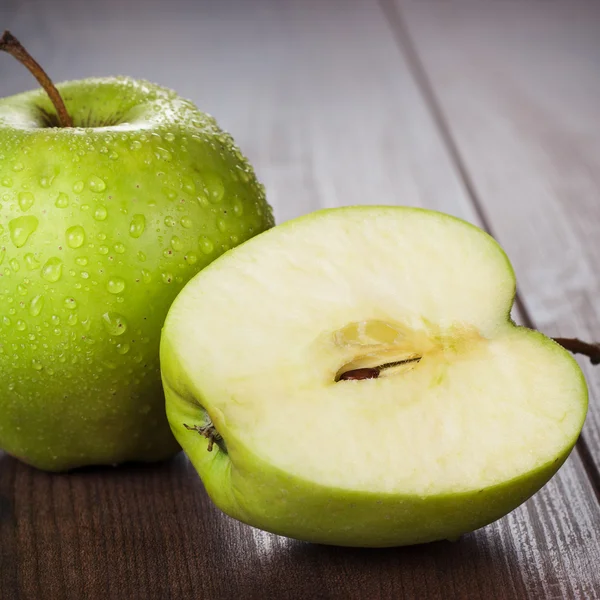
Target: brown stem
x=9 y=43
x=592 y=351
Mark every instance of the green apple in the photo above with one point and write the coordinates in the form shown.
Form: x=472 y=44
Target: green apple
x=101 y=225
x=358 y=381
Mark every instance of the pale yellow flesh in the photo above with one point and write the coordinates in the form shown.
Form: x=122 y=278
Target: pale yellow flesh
x=264 y=333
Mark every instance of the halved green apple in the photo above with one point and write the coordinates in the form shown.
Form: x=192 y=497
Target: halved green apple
x=353 y=377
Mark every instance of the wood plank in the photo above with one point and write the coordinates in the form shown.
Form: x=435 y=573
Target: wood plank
x=323 y=103
x=519 y=85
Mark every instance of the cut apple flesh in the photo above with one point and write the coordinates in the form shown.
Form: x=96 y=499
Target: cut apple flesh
x=455 y=398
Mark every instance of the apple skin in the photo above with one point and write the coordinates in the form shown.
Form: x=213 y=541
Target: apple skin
x=101 y=226
x=254 y=492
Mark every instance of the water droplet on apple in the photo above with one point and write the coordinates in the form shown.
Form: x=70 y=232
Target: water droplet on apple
x=122 y=348
x=52 y=270
x=84 y=275
x=202 y=200
x=222 y=225
x=141 y=256
x=7 y=182
x=135 y=145
x=191 y=258
x=186 y=222
x=70 y=303
x=36 y=305
x=36 y=364
x=31 y=262
x=78 y=187
x=206 y=245
x=115 y=285
x=147 y=278
x=169 y=137
x=17 y=167
x=119 y=248
x=238 y=208
x=81 y=260
x=62 y=201
x=169 y=221
x=14 y=264
x=21 y=228
x=103 y=249
x=176 y=243
x=114 y=323
x=214 y=187
x=72 y=319
x=137 y=225
x=167 y=277
x=96 y=184
x=2 y=255
x=21 y=325
x=100 y=213
x=163 y=153
x=75 y=236
x=113 y=155
x=26 y=201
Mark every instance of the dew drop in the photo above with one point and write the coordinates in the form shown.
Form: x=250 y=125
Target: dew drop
x=176 y=243
x=14 y=264
x=21 y=325
x=96 y=184
x=114 y=323
x=103 y=249
x=7 y=182
x=36 y=305
x=169 y=221
x=62 y=201
x=31 y=262
x=222 y=225
x=141 y=256
x=115 y=285
x=36 y=364
x=119 y=248
x=70 y=303
x=78 y=187
x=75 y=236
x=21 y=228
x=192 y=258
x=169 y=137
x=137 y=225
x=100 y=213
x=72 y=319
x=17 y=167
x=122 y=348
x=214 y=187
x=206 y=245
x=113 y=155
x=163 y=153
x=82 y=261
x=167 y=277
x=146 y=277
x=186 y=222
x=52 y=270
x=26 y=201
x=135 y=145
x=238 y=208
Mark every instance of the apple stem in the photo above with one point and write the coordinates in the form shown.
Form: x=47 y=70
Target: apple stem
x=592 y=351
x=9 y=43
x=208 y=431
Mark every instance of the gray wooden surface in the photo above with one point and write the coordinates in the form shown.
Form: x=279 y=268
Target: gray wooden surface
x=487 y=110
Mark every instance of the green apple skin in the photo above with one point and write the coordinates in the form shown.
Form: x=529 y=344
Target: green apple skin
x=101 y=225
x=253 y=490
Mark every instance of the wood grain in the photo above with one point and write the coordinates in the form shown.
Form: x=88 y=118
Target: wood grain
x=518 y=84
x=324 y=102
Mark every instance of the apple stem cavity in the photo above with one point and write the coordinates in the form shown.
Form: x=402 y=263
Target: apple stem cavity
x=10 y=44
x=576 y=346
x=209 y=432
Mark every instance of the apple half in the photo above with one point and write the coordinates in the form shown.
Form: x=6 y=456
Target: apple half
x=353 y=377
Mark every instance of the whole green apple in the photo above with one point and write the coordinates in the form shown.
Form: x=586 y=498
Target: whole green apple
x=358 y=381
x=101 y=225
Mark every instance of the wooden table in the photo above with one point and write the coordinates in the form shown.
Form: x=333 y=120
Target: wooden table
x=486 y=110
